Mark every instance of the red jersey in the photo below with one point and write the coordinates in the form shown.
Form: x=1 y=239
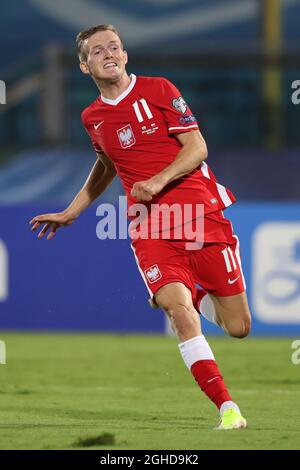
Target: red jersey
x=137 y=132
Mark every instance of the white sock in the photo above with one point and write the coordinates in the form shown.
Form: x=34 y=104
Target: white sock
x=208 y=310
x=195 y=349
x=229 y=404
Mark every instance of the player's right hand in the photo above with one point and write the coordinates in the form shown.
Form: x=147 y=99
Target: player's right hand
x=51 y=223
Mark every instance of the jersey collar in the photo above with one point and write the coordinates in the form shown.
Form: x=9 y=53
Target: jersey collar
x=122 y=95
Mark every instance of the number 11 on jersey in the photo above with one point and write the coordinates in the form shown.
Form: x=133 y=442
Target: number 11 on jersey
x=146 y=108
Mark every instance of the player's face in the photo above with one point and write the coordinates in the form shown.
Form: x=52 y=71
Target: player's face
x=106 y=58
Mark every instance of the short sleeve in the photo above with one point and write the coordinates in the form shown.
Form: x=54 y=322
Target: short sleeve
x=178 y=116
x=89 y=129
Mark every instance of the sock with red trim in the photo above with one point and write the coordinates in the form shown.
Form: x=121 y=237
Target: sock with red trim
x=199 y=358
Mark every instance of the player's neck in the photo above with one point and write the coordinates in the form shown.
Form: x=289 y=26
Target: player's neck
x=112 y=91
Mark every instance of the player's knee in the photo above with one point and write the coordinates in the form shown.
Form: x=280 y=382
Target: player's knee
x=185 y=320
x=178 y=310
x=172 y=303
x=239 y=329
x=181 y=313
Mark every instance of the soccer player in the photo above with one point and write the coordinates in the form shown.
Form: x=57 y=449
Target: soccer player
x=142 y=129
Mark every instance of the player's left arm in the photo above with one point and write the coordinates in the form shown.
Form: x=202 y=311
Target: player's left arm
x=190 y=156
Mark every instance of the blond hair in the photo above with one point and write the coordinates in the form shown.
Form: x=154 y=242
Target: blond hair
x=84 y=35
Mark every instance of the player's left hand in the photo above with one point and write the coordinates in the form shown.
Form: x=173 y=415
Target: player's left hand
x=144 y=191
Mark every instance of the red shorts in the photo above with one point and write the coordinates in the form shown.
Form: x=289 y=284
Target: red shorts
x=216 y=267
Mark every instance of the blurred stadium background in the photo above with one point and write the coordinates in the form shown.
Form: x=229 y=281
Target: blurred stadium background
x=234 y=62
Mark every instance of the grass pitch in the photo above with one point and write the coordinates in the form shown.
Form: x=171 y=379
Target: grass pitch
x=57 y=391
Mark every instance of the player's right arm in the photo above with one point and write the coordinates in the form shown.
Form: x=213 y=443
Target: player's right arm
x=101 y=175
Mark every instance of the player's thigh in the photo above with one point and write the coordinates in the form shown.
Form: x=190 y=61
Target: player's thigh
x=217 y=268
x=173 y=294
x=234 y=306
x=234 y=313
x=162 y=263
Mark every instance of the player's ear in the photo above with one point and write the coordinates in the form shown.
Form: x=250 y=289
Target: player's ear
x=125 y=56
x=84 y=68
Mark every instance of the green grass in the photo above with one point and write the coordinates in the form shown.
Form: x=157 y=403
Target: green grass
x=57 y=390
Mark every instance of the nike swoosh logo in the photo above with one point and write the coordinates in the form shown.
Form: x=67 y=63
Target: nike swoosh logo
x=232 y=281
x=98 y=125
x=211 y=380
